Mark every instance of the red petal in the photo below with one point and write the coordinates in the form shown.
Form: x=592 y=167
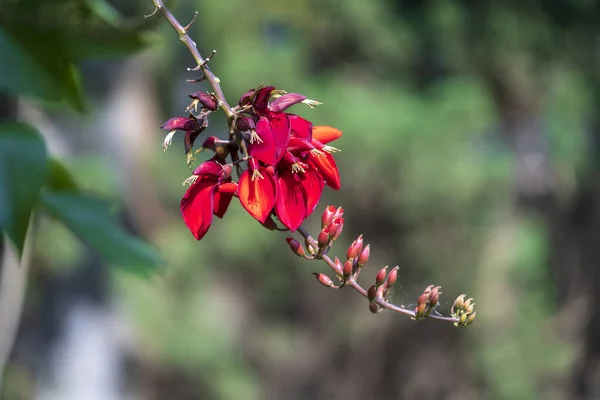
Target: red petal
x=175 y=123
x=291 y=200
x=301 y=127
x=257 y=196
x=313 y=184
x=197 y=206
x=223 y=196
x=261 y=100
x=280 y=128
x=325 y=164
x=265 y=151
x=285 y=101
x=325 y=134
x=210 y=169
x=296 y=144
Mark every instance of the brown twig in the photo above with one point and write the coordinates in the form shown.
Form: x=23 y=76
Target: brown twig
x=201 y=63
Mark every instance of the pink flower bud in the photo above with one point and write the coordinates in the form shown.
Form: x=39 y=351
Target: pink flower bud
x=333 y=228
x=327 y=217
x=295 y=246
x=323 y=238
x=323 y=279
x=434 y=296
x=339 y=269
x=348 y=267
x=392 y=277
x=355 y=248
x=380 y=277
x=364 y=256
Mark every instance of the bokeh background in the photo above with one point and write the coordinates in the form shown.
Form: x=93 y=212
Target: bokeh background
x=470 y=148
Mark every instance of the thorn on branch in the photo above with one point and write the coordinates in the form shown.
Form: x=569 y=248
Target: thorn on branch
x=156 y=8
x=195 y=80
x=188 y=26
x=203 y=63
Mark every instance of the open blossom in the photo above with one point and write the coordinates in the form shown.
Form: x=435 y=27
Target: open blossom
x=287 y=164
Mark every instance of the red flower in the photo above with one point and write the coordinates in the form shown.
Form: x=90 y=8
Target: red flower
x=192 y=126
x=210 y=193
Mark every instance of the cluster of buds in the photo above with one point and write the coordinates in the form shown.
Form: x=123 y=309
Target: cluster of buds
x=332 y=224
x=427 y=301
x=463 y=311
x=382 y=288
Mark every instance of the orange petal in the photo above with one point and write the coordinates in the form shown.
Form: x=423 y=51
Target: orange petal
x=325 y=134
x=257 y=196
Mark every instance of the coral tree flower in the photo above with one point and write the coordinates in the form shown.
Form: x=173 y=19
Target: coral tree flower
x=288 y=164
x=211 y=193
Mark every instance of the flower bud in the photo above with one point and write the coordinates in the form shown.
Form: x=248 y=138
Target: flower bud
x=364 y=256
x=244 y=124
x=355 y=248
x=332 y=228
x=327 y=217
x=348 y=268
x=434 y=296
x=392 y=277
x=207 y=100
x=372 y=293
x=459 y=304
x=323 y=279
x=380 y=277
x=339 y=269
x=341 y=227
x=323 y=238
x=470 y=318
x=247 y=98
x=296 y=247
x=374 y=308
x=421 y=311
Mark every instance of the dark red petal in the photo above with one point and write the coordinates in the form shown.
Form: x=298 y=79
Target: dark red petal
x=175 y=123
x=190 y=138
x=291 y=200
x=247 y=97
x=285 y=101
x=197 y=206
x=210 y=169
x=261 y=100
x=301 y=127
x=207 y=100
x=266 y=151
x=280 y=128
x=325 y=164
x=257 y=196
x=325 y=134
x=313 y=184
x=223 y=196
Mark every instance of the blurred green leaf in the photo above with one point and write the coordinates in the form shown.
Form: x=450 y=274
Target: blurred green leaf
x=105 y=11
x=104 y=45
x=39 y=65
x=91 y=219
x=60 y=179
x=23 y=172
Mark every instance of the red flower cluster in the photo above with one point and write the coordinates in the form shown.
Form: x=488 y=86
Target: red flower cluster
x=287 y=159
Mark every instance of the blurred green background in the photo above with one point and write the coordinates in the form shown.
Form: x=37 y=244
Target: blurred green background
x=469 y=159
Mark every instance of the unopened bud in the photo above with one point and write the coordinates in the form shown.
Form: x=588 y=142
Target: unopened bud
x=323 y=279
x=470 y=318
x=340 y=229
x=421 y=311
x=339 y=212
x=244 y=124
x=372 y=293
x=374 y=308
x=380 y=277
x=434 y=296
x=392 y=277
x=296 y=247
x=364 y=256
x=207 y=100
x=355 y=248
x=328 y=216
x=348 y=267
x=323 y=238
x=459 y=304
x=333 y=228
x=339 y=269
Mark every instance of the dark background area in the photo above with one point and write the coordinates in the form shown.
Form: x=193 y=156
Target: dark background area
x=469 y=158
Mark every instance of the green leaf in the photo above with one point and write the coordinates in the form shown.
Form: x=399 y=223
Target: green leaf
x=104 y=44
x=38 y=64
x=60 y=179
x=23 y=172
x=91 y=220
